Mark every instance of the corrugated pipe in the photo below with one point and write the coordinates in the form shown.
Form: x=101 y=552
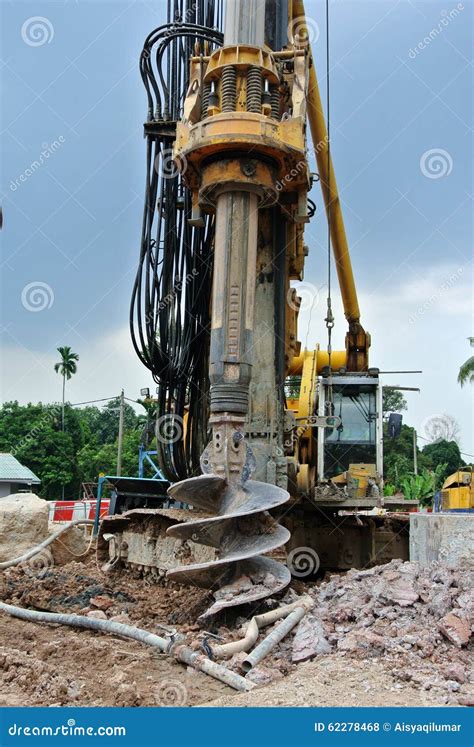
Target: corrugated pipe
x=277 y=635
x=179 y=652
x=259 y=621
x=35 y=550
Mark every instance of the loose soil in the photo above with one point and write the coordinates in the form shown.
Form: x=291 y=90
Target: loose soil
x=388 y=654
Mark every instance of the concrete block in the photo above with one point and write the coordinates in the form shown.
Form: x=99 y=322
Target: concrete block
x=448 y=538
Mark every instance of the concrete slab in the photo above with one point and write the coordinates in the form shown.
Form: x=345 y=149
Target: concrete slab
x=445 y=537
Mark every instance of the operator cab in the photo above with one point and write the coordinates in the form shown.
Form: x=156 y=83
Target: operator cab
x=356 y=399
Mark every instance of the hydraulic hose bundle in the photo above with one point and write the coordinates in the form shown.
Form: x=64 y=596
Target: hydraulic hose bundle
x=169 y=314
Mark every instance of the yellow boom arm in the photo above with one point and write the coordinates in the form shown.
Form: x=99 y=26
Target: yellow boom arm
x=357 y=340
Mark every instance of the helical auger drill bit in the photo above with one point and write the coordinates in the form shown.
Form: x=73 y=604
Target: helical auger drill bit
x=239 y=526
x=240 y=530
x=235 y=182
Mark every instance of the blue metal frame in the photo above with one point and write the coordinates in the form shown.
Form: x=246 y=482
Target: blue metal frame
x=97 y=505
x=145 y=456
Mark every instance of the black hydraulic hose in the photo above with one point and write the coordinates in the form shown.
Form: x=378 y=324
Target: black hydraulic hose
x=169 y=312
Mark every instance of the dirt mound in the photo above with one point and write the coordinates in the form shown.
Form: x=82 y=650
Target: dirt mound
x=329 y=681
x=50 y=666
x=71 y=588
x=23 y=524
x=72 y=544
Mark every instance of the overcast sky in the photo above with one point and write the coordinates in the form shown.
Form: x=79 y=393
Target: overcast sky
x=401 y=122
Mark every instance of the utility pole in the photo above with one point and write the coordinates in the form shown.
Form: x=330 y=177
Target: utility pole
x=415 y=456
x=120 y=434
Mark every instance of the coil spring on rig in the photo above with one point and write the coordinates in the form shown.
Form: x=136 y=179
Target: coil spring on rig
x=206 y=92
x=229 y=89
x=275 y=99
x=254 y=90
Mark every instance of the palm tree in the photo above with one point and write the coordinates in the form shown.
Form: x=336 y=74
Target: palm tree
x=66 y=367
x=466 y=372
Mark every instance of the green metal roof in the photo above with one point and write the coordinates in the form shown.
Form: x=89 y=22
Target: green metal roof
x=11 y=470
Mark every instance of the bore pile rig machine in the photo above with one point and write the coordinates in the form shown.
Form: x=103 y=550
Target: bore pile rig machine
x=265 y=446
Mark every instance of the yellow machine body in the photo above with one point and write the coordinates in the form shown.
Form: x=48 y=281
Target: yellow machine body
x=457 y=493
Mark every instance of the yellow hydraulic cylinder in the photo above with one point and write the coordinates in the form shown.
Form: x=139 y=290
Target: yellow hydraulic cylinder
x=338 y=360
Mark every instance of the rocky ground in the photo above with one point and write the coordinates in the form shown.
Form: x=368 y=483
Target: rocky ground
x=392 y=635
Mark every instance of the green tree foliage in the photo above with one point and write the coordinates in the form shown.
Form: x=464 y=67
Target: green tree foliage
x=423 y=486
x=446 y=453
x=102 y=425
x=392 y=401
x=435 y=462
x=33 y=433
x=93 y=460
x=398 y=455
x=87 y=446
x=466 y=372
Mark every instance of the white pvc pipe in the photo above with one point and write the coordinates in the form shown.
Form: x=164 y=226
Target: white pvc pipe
x=256 y=623
x=277 y=635
x=35 y=550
